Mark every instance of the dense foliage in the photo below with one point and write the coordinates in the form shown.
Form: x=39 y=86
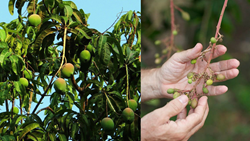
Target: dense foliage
x=104 y=78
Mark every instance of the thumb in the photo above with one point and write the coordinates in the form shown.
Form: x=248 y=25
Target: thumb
x=188 y=55
x=174 y=107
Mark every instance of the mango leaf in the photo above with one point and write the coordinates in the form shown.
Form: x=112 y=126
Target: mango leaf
x=14 y=62
x=40 y=38
x=7 y=138
x=68 y=11
x=11 y=6
x=2 y=35
x=86 y=32
x=27 y=129
x=62 y=137
x=54 y=17
x=78 y=16
x=70 y=3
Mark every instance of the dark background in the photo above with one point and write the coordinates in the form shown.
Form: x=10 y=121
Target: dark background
x=229 y=114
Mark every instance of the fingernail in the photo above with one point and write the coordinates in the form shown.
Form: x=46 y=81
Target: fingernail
x=183 y=99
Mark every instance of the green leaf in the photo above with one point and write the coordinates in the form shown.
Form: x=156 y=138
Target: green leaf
x=86 y=32
x=11 y=6
x=2 y=35
x=78 y=16
x=27 y=129
x=105 y=54
x=40 y=38
x=112 y=40
x=7 y=138
x=14 y=63
x=70 y=3
x=74 y=130
x=17 y=85
x=68 y=11
x=54 y=17
x=62 y=137
x=3 y=45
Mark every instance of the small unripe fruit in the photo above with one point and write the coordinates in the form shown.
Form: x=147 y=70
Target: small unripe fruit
x=174 y=32
x=193 y=61
x=15 y=110
x=164 y=51
x=28 y=74
x=190 y=75
x=176 y=94
x=90 y=48
x=213 y=40
x=67 y=70
x=107 y=124
x=189 y=102
x=157 y=42
x=132 y=104
x=170 y=91
x=185 y=15
x=128 y=115
x=157 y=55
x=194 y=103
x=220 y=77
x=205 y=90
x=209 y=82
x=60 y=85
x=85 y=56
x=157 y=60
x=24 y=82
x=34 y=19
x=190 y=81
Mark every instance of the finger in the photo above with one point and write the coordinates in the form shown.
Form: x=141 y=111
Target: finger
x=196 y=117
x=218 y=51
x=173 y=108
x=225 y=65
x=196 y=128
x=182 y=114
x=188 y=55
x=216 y=90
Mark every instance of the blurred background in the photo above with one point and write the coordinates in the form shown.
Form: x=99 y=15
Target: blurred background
x=229 y=115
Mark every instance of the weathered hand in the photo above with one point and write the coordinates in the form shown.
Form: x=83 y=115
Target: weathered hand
x=173 y=73
x=158 y=126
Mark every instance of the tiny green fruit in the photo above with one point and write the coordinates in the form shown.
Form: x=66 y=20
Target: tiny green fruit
x=175 y=32
x=190 y=75
x=205 y=90
x=34 y=19
x=220 y=77
x=209 y=82
x=185 y=15
x=190 y=81
x=157 y=55
x=176 y=94
x=193 y=61
x=213 y=40
x=60 y=85
x=132 y=104
x=67 y=70
x=15 y=110
x=194 y=103
x=128 y=115
x=164 y=51
x=107 y=124
x=24 y=82
x=170 y=90
x=85 y=56
x=157 y=60
x=189 y=102
x=28 y=74
x=157 y=42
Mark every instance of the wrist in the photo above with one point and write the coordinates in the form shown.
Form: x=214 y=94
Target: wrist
x=150 y=87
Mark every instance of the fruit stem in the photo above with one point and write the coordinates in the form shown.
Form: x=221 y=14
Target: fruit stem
x=172 y=27
x=50 y=83
x=127 y=91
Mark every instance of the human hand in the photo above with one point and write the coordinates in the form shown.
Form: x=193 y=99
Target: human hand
x=173 y=73
x=158 y=126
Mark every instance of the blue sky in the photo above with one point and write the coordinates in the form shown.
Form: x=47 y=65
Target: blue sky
x=102 y=14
